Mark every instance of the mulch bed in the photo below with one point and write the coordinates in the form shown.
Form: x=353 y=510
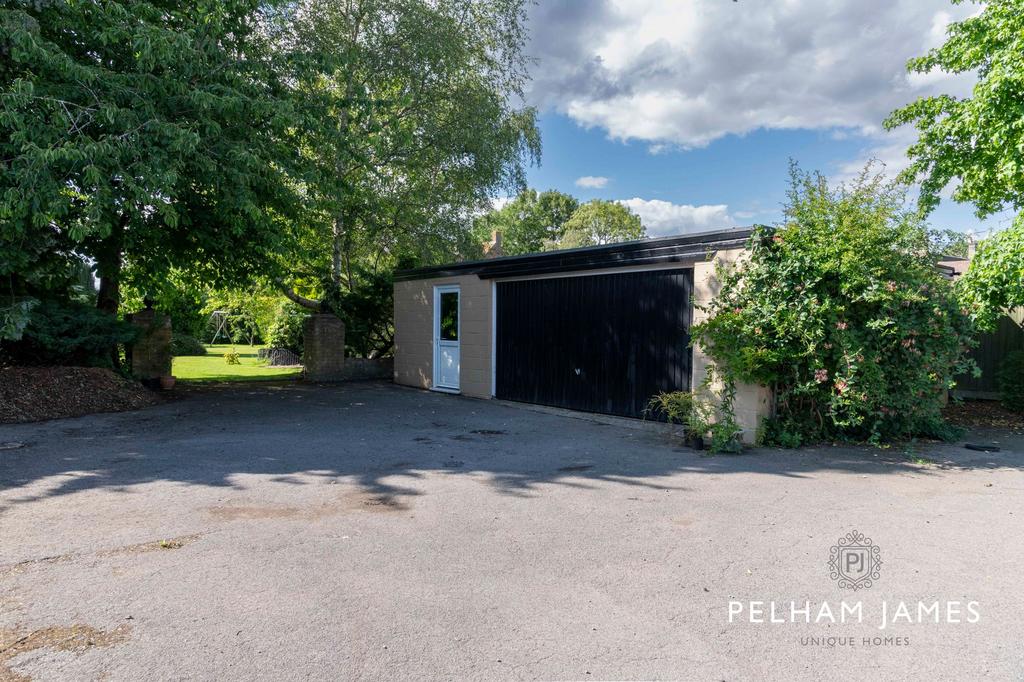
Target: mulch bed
x=36 y=393
x=983 y=413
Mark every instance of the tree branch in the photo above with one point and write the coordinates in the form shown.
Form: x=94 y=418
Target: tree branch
x=290 y=294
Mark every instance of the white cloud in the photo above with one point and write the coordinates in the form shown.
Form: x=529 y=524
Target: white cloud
x=663 y=218
x=498 y=203
x=686 y=73
x=889 y=150
x=592 y=182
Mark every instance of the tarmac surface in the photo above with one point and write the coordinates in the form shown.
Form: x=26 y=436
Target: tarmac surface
x=366 y=531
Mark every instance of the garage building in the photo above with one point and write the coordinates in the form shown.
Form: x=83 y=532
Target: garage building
x=598 y=329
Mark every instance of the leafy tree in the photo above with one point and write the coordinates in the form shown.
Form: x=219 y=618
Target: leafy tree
x=143 y=135
x=418 y=126
x=286 y=327
x=529 y=221
x=946 y=242
x=250 y=313
x=979 y=140
x=994 y=282
x=600 y=222
x=179 y=295
x=978 y=143
x=842 y=312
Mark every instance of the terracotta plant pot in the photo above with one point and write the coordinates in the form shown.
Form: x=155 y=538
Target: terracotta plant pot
x=167 y=383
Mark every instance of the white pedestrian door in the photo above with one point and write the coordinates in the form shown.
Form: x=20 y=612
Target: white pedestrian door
x=446 y=337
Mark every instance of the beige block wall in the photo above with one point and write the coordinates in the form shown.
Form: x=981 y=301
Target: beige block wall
x=752 y=401
x=414 y=333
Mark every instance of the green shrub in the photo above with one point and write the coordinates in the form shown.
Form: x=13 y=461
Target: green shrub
x=698 y=416
x=682 y=408
x=15 y=317
x=1011 y=381
x=782 y=433
x=232 y=357
x=68 y=333
x=368 y=312
x=675 y=406
x=286 y=329
x=842 y=312
x=183 y=344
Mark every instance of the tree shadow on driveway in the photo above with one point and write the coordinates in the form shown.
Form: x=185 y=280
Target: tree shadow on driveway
x=384 y=438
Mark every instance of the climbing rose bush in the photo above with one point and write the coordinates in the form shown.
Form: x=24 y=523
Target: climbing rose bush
x=842 y=312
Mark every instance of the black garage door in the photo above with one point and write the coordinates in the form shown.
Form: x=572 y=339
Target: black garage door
x=599 y=343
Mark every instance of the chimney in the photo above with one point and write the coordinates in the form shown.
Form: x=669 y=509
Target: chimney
x=493 y=248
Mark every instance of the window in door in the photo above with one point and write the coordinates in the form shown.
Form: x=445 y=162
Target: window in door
x=449 y=316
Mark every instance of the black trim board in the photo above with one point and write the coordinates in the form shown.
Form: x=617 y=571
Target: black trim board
x=684 y=248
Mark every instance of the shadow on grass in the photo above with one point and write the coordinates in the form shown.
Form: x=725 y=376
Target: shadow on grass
x=227 y=377
x=384 y=438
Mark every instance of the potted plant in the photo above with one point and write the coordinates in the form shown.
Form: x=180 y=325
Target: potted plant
x=680 y=408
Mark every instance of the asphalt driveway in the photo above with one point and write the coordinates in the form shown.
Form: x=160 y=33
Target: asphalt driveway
x=369 y=532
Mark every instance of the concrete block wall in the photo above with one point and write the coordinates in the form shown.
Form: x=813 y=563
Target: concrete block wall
x=414 y=333
x=752 y=402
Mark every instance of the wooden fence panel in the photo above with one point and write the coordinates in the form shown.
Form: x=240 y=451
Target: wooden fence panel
x=992 y=348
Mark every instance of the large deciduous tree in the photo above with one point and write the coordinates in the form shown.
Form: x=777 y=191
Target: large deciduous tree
x=977 y=143
x=420 y=122
x=528 y=222
x=600 y=222
x=994 y=282
x=142 y=135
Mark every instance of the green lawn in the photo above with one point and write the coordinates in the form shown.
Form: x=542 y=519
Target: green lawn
x=213 y=366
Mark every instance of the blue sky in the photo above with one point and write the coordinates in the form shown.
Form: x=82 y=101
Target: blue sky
x=689 y=111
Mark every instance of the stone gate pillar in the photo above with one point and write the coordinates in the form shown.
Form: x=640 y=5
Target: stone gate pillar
x=151 y=352
x=323 y=348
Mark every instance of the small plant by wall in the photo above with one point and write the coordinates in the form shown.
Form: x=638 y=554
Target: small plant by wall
x=705 y=416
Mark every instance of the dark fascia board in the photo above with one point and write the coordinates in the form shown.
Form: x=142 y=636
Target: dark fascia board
x=681 y=248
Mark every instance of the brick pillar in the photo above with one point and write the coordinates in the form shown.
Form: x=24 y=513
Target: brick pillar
x=151 y=352
x=323 y=344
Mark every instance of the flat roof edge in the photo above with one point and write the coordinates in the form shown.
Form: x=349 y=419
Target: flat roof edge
x=644 y=251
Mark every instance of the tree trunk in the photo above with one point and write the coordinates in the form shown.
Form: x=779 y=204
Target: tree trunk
x=108 y=299
x=338 y=234
x=109 y=264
